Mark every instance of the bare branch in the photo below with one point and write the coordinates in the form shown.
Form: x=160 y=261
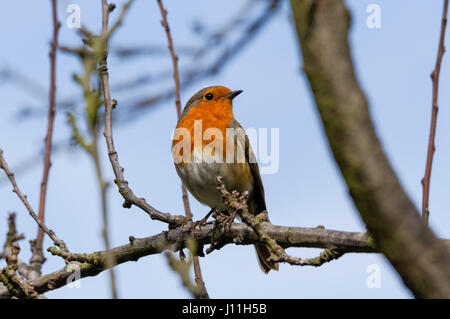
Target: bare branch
x=176 y=74
x=11 y=235
x=4 y=166
x=183 y=266
x=238 y=205
x=124 y=189
x=413 y=250
x=93 y=103
x=176 y=77
x=203 y=69
x=175 y=240
x=14 y=284
x=38 y=258
x=434 y=112
x=9 y=277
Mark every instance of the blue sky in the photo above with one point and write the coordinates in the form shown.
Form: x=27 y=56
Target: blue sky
x=393 y=64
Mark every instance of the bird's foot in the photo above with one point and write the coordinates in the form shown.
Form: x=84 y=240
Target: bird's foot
x=228 y=220
x=203 y=221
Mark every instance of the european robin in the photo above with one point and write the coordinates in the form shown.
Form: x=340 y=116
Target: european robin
x=205 y=125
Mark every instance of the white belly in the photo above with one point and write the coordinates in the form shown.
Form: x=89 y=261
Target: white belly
x=201 y=181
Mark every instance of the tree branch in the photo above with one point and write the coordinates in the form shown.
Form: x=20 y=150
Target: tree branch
x=417 y=255
x=9 y=275
x=434 y=112
x=176 y=239
x=237 y=205
x=4 y=166
x=93 y=123
x=203 y=293
x=122 y=184
x=37 y=259
x=176 y=74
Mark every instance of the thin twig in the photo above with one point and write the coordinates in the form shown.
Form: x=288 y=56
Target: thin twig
x=124 y=189
x=182 y=268
x=11 y=237
x=176 y=74
x=434 y=112
x=9 y=275
x=220 y=43
x=103 y=185
x=238 y=204
x=93 y=105
x=38 y=257
x=200 y=71
x=92 y=150
x=4 y=166
x=176 y=77
x=16 y=285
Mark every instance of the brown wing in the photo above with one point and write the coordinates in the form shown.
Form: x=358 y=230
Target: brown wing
x=258 y=191
x=262 y=251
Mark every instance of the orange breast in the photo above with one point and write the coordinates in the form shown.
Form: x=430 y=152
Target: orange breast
x=215 y=115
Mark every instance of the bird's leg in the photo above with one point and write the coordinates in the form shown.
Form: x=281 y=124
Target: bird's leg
x=228 y=220
x=202 y=221
x=224 y=218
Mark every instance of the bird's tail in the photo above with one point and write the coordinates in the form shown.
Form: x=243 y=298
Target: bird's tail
x=263 y=252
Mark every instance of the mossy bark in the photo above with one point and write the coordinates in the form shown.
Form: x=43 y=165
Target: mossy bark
x=418 y=256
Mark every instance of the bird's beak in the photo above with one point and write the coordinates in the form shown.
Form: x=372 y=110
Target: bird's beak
x=233 y=94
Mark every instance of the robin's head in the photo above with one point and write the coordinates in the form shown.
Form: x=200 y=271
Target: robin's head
x=212 y=97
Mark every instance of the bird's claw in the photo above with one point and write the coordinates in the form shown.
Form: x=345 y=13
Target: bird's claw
x=201 y=222
x=228 y=220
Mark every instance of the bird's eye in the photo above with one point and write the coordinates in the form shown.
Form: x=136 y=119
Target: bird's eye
x=209 y=96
